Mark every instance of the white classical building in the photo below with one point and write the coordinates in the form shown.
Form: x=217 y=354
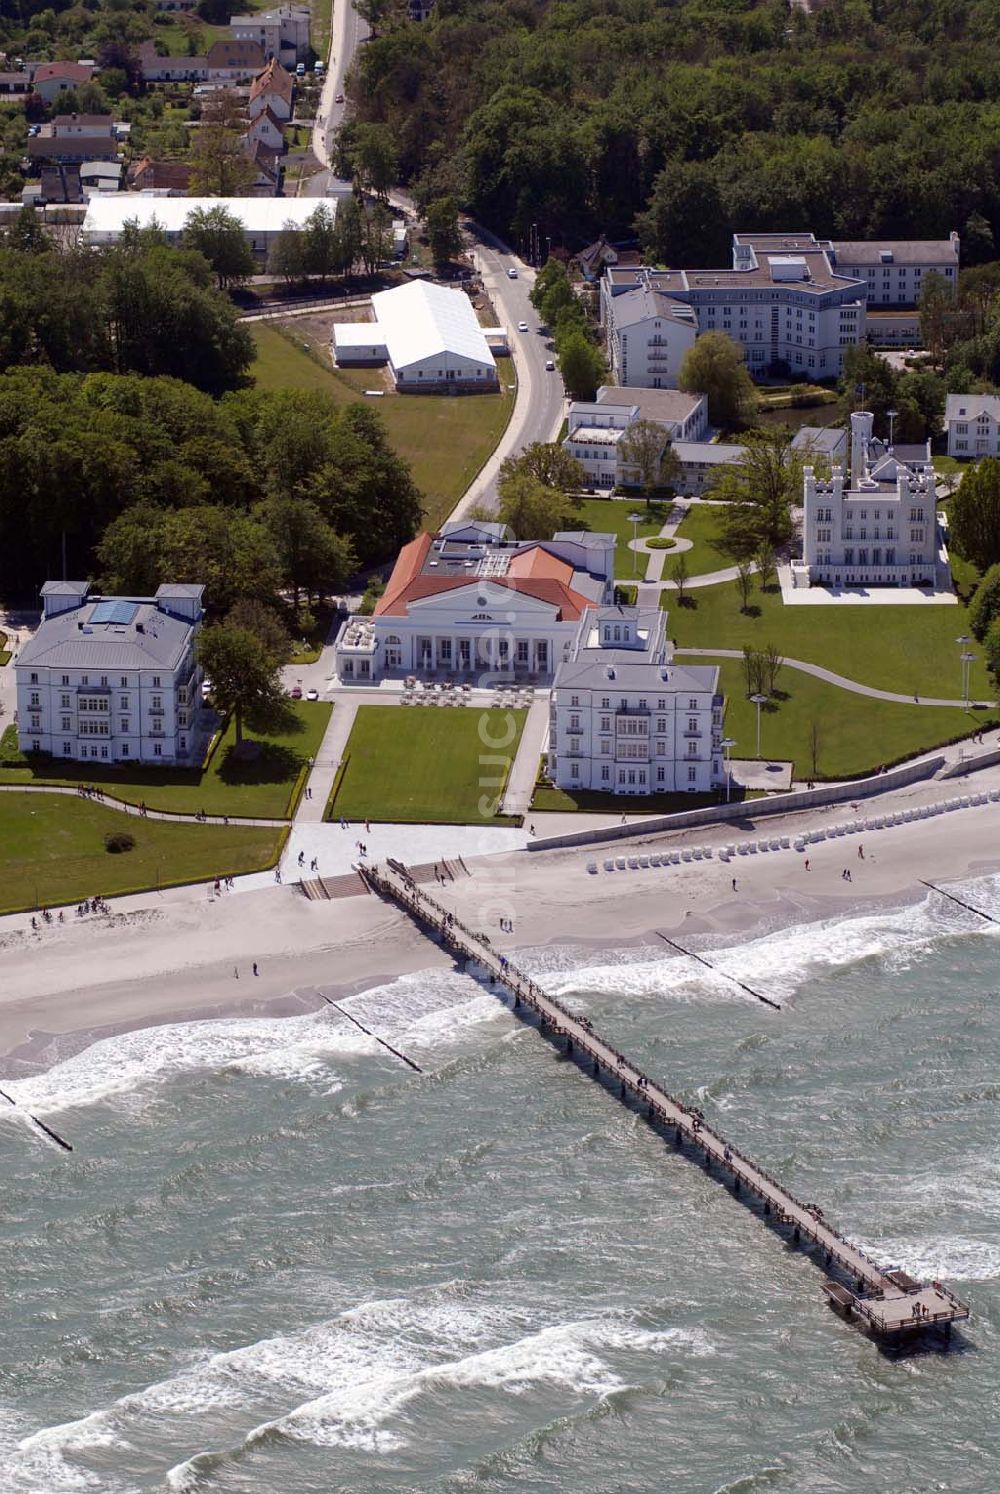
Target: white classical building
x=624 y=719
x=972 y=423
x=112 y=679
x=472 y=601
x=429 y=335
x=263 y=218
x=877 y=525
x=595 y=428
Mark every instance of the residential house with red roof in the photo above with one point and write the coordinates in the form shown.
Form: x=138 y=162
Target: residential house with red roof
x=474 y=602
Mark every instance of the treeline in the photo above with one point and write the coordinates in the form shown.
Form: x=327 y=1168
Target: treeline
x=277 y=497
x=691 y=119
x=139 y=307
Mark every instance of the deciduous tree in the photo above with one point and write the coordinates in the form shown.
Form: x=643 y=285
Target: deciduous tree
x=244 y=677
x=714 y=366
x=974 y=515
x=218 y=235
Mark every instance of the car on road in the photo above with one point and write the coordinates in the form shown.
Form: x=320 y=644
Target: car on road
x=206 y=689
x=312 y=695
x=512 y=273
x=339 y=99
x=522 y=326
x=296 y=692
x=549 y=365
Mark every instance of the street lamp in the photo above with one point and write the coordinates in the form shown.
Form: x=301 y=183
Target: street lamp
x=963 y=641
x=892 y=422
x=727 y=743
x=635 y=520
x=967 y=659
x=758 y=701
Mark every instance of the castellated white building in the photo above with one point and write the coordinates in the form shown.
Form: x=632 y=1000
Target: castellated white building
x=876 y=525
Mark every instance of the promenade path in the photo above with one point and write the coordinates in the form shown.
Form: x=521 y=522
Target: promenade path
x=841 y=681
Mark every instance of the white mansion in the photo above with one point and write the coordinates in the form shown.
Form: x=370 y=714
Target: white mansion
x=877 y=526
x=789 y=299
x=112 y=679
x=472 y=600
x=624 y=719
x=972 y=424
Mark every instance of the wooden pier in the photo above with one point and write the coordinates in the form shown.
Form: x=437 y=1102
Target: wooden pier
x=885 y=1302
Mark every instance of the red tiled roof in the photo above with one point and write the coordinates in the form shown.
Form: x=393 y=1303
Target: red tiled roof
x=75 y=72
x=407 y=584
x=274 y=79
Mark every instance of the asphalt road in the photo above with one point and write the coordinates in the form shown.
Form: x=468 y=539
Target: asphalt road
x=539 y=406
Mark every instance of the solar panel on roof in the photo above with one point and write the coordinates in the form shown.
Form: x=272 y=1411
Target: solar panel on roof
x=120 y=613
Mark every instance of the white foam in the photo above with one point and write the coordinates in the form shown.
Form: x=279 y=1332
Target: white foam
x=946 y=1257
x=39 y=1461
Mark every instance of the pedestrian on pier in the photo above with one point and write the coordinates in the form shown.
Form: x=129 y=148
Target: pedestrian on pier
x=255 y=970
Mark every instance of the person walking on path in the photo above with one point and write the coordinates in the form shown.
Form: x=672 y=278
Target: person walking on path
x=807 y=863
x=734 y=884
x=861 y=853
x=236 y=972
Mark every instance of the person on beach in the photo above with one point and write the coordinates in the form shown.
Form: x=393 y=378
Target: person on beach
x=255 y=970
x=861 y=853
x=807 y=863
x=236 y=972
x=734 y=884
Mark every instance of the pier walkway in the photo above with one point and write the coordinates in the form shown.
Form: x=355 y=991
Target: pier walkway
x=886 y=1301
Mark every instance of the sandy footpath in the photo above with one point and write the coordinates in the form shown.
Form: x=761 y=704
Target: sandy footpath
x=179 y=957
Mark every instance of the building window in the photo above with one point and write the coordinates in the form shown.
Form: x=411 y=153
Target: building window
x=34 y=679
x=67 y=749
x=574 y=770
x=157 y=750
x=35 y=698
x=67 y=723
x=605 y=723
x=605 y=773
x=156 y=681
x=124 y=681
x=661 y=775
x=692 y=775
x=125 y=725
x=65 y=678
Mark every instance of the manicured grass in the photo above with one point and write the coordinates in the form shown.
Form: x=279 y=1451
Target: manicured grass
x=702 y=525
x=857 y=735
x=442 y=765
x=4 y=650
x=264 y=787
x=905 y=649
x=547 y=799
x=611 y=516
x=52 y=851
x=445 y=439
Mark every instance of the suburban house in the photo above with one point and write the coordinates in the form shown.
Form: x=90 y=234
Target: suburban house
x=282 y=33
x=472 y=601
x=147 y=175
x=623 y=719
x=112 y=679
x=594 y=260
x=595 y=428
x=876 y=526
x=269 y=170
x=428 y=335
x=894 y=270
x=14 y=85
x=263 y=218
x=227 y=62
x=972 y=423
x=50 y=79
x=100 y=176
x=272 y=90
x=267 y=130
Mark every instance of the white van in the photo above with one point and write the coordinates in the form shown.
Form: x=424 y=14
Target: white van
x=300 y=70
x=319 y=70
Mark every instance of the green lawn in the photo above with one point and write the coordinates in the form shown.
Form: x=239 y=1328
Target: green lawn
x=611 y=516
x=437 y=764
x=856 y=735
x=549 y=800
x=265 y=787
x=701 y=526
x=4 y=650
x=444 y=439
x=904 y=649
x=52 y=851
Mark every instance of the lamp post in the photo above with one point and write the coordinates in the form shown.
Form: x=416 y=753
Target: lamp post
x=891 y=414
x=758 y=701
x=635 y=520
x=963 y=641
x=727 y=743
x=967 y=659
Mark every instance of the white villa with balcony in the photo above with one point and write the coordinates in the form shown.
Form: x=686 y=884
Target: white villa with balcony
x=112 y=679
x=472 y=601
x=876 y=526
x=595 y=428
x=624 y=719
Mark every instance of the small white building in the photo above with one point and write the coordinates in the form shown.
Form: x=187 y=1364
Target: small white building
x=877 y=525
x=263 y=218
x=702 y=462
x=432 y=340
x=112 y=679
x=595 y=428
x=282 y=33
x=623 y=719
x=472 y=602
x=972 y=423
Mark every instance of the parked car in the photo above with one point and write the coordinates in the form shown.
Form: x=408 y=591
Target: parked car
x=549 y=365
x=522 y=326
x=300 y=70
x=312 y=695
x=512 y=273
x=339 y=99
x=296 y=692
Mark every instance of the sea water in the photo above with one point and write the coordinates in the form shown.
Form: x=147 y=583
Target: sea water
x=280 y=1260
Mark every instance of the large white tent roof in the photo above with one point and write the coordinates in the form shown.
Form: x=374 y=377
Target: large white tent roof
x=421 y=321
x=108 y=215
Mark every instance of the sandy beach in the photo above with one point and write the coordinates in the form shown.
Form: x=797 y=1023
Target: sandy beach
x=156 y=961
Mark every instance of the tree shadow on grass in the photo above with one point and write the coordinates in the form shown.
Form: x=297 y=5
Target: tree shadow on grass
x=271 y=762
x=691 y=602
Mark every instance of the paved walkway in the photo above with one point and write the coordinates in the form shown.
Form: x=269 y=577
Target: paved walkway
x=521 y=783
x=818 y=672
x=124 y=807
x=328 y=760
